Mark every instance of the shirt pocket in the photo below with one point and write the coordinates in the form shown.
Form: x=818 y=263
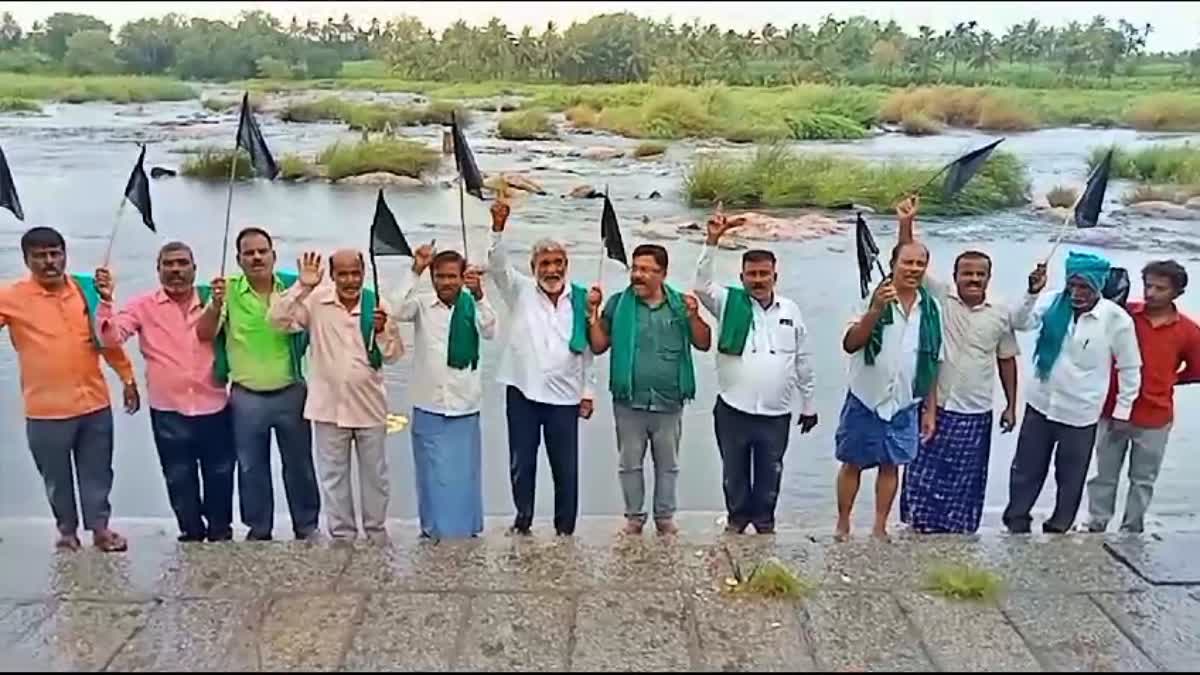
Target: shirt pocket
x=783 y=338
x=1088 y=352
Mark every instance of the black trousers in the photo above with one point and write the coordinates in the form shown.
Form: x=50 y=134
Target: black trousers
x=1041 y=439
x=191 y=448
x=527 y=422
x=752 y=449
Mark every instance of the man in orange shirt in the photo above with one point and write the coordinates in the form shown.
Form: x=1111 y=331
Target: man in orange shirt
x=51 y=321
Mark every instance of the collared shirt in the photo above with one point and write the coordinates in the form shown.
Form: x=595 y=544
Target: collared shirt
x=343 y=388
x=657 y=355
x=179 y=366
x=537 y=358
x=60 y=365
x=260 y=356
x=773 y=374
x=1078 y=383
x=975 y=338
x=438 y=388
x=1164 y=350
x=886 y=387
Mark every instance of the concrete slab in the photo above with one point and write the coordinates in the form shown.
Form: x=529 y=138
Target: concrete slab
x=1070 y=563
x=966 y=635
x=863 y=632
x=518 y=632
x=408 y=632
x=78 y=635
x=1070 y=633
x=307 y=632
x=251 y=569
x=752 y=634
x=1168 y=561
x=652 y=564
x=424 y=566
x=17 y=619
x=186 y=635
x=1164 y=621
x=644 y=631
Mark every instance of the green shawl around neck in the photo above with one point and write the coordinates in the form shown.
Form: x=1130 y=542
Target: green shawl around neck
x=624 y=345
x=463 y=349
x=736 y=320
x=929 y=345
x=298 y=342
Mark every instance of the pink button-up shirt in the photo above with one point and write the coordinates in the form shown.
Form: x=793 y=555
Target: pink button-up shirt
x=179 y=367
x=343 y=388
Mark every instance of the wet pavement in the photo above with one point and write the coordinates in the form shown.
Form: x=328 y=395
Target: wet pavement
x=595 y=601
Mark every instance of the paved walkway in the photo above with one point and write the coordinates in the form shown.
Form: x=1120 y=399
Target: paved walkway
x=598 y=601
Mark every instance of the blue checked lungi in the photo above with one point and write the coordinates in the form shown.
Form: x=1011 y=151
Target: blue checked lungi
x=943 y=489
x=866 y=441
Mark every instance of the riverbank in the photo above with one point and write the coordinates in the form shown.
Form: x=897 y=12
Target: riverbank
x=596 y=601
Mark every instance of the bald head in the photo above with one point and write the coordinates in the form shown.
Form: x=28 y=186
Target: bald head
x=346 y=268
x=346 y=258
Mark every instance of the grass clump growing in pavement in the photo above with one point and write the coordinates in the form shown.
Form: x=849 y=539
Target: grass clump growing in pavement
x=964 y=582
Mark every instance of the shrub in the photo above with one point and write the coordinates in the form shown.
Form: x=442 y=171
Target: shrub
x=214 y=164
x=916 y=123
x=401 y=157
x=1062 y=197
x=649 y=149
x=528 y=125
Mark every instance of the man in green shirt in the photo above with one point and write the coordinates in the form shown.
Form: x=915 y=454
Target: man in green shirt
x=267 y=391
x=651 y=328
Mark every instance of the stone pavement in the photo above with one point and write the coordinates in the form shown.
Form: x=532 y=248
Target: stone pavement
x=598 y=601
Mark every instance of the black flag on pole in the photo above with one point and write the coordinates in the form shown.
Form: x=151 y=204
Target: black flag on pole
x=610 y=234
x=386 y=237
x=867 y=252
x=250 y=139
x=464 y=161
x=961 y=170
x=8 y=190
x=1087 y=210
x=137 y=190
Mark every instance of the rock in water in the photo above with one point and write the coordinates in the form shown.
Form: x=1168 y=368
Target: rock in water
x=161 y=172
x=515 y=181
x=383 y=178
x=601 y=152
x=585 y=192
x=1158 y=209
x=1193 y=203
x=752 y=225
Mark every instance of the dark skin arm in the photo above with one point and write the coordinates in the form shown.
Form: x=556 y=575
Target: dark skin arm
x=701 y=332
x=210 y=320
x=1008 y=379
x=906 y=215
x=856 y=338
x=598 y=336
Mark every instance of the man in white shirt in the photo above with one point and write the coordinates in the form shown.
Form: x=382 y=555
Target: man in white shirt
x=763 y=371
x=546 y=369
x=446 y=391
x=944 y=487
x=1081 y=335
x=895 y=347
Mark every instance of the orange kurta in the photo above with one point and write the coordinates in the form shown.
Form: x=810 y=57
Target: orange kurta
x=60 y=365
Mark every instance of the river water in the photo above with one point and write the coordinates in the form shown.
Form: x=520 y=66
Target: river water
x=71 y=165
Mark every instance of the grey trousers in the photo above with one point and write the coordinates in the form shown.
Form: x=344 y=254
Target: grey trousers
x=1146 y=448
x=636 y=428
x=1041 y=439
x=333 y=472
x=88 y=441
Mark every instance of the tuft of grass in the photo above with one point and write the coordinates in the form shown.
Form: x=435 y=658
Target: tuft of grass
x=917 y=123
x=527 y=125
x=392 y=155
x=583 y=116
x=214 y=164
x=374 y=116
x=329 y=108
x=295 y=167
x=777 y=177
x=771 y=579
x=1001 y=114
x=116 y=88
x=969 y=107
x=1165 y=112
x=1062 y=197
x=19 y=105
x=964 y=582
x=1154 y=164
x=817 y=126
x=649 y=149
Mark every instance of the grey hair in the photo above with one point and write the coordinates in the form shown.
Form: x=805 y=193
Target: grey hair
x=546 y=246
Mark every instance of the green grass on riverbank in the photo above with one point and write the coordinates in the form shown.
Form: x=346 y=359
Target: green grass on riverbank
x=19 y=105
x=525 y=125
x=118 y=89
x=374 y=116
x=777 y=177
x=1177 y=164
x=335 y=162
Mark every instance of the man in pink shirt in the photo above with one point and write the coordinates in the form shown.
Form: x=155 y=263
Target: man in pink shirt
x=351 y=338
x=187 y=408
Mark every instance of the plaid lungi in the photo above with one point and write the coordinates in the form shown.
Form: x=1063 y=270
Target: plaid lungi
x=943 y=489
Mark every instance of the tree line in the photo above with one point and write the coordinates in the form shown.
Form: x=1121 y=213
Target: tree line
x=617 y=47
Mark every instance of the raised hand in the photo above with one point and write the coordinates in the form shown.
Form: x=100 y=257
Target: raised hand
x=692 y=305
x=309 y=265
x=594 y=297
x=500 y=211
x=218 y=291
x=473 y=280
x=104 y=284
x=885 y=293
x=718 y=224
x=422 y=257
x=1037 y=279
x=907 y=210
x=380 y=319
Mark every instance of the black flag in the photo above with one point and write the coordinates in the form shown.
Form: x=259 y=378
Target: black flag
x=250 y=139
x=867 y=252
x=8 y=190
x=464 y=161
x=961 y=170
x=1087 y=210
x=610 y=234
x=386 y=237
x=137 y=190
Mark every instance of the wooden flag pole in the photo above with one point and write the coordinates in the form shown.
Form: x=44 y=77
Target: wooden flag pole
x=112 y=237
x=229 y=208
x=462 y=211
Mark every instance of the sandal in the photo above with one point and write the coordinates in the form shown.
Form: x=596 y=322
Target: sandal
x=67 y=542
x=110 y=542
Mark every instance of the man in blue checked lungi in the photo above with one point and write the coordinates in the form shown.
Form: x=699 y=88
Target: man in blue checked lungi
x=943 y=488
x=445 y=391
x=895 y=346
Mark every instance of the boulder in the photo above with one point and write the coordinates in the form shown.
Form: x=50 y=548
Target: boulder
x=1193 y=203
x=1159 y=209
x=515 y=181
x=762 y=227
x=585 y=192
x=161 y=172
x=383 y=178
x=601 y=153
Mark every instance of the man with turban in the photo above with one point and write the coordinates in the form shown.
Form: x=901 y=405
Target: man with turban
x=1080 y=336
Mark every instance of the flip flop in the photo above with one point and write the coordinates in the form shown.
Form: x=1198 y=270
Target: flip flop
x=111 y=543
x=67 y=542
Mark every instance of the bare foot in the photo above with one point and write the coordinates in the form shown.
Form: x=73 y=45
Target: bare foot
x=67 y=541
x=881 y=534
x=109 y=542
x=666 y=526
x=632 y=527
x=842 y=531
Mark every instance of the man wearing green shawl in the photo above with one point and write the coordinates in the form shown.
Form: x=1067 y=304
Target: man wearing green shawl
x=1080 y=336
x=446 y=389
x=895 y=347
x=652 y=329
x=764 y=373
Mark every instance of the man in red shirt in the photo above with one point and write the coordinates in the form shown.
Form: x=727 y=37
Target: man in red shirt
x=1168 y=340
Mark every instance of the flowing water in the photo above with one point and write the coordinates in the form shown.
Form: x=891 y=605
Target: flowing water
x=71 y=165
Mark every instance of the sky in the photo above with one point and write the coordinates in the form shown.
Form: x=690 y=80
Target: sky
x=1176 y=24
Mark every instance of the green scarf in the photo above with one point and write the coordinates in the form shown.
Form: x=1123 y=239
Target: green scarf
x=298 y=346
x=463 y=349
x=366 y=322
x=579 y=324
x=736 y=320
x=928 y=349
x=91 y=298
x=624 y=345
